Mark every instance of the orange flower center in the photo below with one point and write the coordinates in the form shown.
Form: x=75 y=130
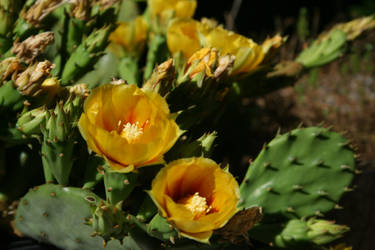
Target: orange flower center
x=196 y=204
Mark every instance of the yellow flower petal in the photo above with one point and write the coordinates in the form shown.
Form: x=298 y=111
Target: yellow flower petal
x=127 y=126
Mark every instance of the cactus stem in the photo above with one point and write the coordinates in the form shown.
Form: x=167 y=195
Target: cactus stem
x=53 y=194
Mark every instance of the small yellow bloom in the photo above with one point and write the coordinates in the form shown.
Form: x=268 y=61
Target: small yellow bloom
x=163 y=10
x=188 y=36
x=130 y=36
x=195 y=195
x=128 y=126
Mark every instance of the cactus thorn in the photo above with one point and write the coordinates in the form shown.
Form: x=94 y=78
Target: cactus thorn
x=90 y=199
x=20 y=218
x=267 y=164
x=126 y=182
x=43 y=234
x=172 y=239
x=78 y=240
x=290 y=210
x=265 y=146
x=35 y=188
x=345 y=167
x=104 y=243
x=25 y=202
x=246 y=180
x=322 y=193
x=128 y=217
x=53 y=194
x=95 y=233
x=61 y=155
x=45 y=214
x=338 y=207
x=110 y=189
x=348 y=189
x=297 y=187
x=318 y=213
x=357 y=171
x=55 y=140
x=269 y=189
x=117 y=226
x=24 y=137
x=292 y=159
x=170 y=227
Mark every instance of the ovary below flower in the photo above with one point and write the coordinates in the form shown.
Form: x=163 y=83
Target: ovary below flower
x=196 y=196
x=128 y=126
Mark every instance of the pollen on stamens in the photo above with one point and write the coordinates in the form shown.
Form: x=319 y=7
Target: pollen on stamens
x=131 y=131
x=196 y=204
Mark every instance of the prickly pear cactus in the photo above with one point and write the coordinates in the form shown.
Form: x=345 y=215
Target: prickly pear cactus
x=300 y=173
x=62 y=216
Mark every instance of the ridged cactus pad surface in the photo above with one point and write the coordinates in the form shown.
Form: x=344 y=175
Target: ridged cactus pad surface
x=301 y=173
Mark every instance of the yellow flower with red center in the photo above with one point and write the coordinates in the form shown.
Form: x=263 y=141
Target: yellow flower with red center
x=129 y=126
x=188 y=36
x=196 y=196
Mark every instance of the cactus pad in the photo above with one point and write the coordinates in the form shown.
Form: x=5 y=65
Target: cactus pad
x=301 y=173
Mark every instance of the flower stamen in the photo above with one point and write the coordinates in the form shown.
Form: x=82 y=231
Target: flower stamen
x=131 y=131
x=196 y=204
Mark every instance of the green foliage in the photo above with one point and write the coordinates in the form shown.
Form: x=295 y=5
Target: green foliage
x=298 y=174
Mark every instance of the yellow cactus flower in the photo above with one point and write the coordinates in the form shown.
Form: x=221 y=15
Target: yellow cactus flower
x=196 y=196
x=188 y=36
x=130 y=36
x=128 y=126
x=163 y=10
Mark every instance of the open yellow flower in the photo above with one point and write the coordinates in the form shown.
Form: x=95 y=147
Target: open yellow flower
x=128 y=126
x=164 y=10
x=195 y=195
x=130 y=36
x=188 y=36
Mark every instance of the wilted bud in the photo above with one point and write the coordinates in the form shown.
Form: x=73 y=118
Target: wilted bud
x=9 y=66
x=79 y=90
x=41 y=9
x=271 y=46
x=33 y=46
x=29 y=122
x=322 y=231
x=31 y=81
x=162 y=78
x=208 y=62
x=81 y=9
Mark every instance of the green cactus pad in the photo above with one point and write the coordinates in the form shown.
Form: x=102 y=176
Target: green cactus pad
x=301 y=173
x=323 y=52
x=60 y=216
